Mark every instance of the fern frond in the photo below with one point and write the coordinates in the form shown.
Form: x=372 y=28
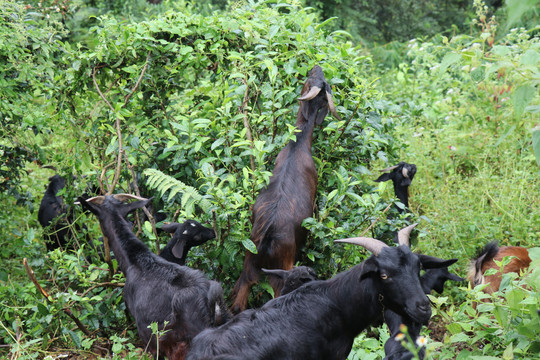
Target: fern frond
x=190 y=196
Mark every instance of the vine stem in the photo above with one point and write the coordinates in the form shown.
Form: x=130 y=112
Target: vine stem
x=246 y=122
x=376 y=220
x=146 y=212
x=42 y=291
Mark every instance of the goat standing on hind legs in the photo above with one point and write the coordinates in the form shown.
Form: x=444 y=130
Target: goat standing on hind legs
x=288 y=199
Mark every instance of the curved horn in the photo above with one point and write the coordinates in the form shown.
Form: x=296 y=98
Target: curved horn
x=373 y=245
x=404 y=234
x=314 y=91
x=405 y=172
x=388 y=169
x=124 y=197
x=96 y=200
x=331 y=105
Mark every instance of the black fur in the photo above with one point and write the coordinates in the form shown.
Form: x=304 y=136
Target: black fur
x=157 y=290
x=401 y=183
x=186 y=235
x=293 y=279
x=53 y=214
x=320 y=319
x=433 y=279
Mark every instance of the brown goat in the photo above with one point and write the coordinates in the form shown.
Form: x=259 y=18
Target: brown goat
x=485 y=261
x=288 y=199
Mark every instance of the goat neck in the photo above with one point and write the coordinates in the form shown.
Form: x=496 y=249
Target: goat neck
x=111 y=214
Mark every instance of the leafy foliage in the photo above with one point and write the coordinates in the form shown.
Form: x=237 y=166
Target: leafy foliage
x=192 y=108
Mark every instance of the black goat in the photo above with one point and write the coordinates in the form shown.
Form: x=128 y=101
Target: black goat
x=402 y=176
x=288 y=199
x=186 y=235
x=433 y=279
x=156 y=290
x=294 y=278
x=320 y=319
x=53 y=214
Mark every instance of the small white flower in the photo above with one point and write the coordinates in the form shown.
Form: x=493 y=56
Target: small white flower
x=400 y=336
x=421 y=341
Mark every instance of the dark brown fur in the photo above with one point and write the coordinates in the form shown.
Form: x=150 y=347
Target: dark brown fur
x=281 y=207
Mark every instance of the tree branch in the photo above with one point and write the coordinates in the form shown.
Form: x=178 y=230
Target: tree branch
x=42 y=291
x=246 y=122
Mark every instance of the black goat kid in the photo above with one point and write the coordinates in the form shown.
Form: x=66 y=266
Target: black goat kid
x=156 y=290
x=294 y=278
x=432 y=279
x=186 y=235
x=402 y=176
x=320 y=319
x=288 y=199
x=52 y=214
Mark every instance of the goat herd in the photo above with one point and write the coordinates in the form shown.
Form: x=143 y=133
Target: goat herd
x=308 y=318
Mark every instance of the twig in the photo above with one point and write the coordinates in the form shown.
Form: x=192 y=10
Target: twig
x=138 y=80
x=346 y=124
x=246 y=122
x=118 y=134
x=68 y=312
x=376 y=220
x=214 y=226
x=145 y=210
x=105 y=284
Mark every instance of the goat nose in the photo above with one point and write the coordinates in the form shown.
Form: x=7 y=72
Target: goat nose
x=424 y=307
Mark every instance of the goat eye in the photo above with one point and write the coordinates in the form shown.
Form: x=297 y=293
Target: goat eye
x=384 y=276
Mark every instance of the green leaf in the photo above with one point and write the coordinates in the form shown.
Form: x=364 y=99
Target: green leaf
x=461 y=337
x=250 y=246
x=516 y=9
x=521 y=98
x=448 y=60
x=536 y=143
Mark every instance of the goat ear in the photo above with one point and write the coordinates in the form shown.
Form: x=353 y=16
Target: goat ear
x=454 y=277
x=282 y=274
x=369 y=268
x=128 y=208
x=178 y=249
x=431 y=262
x=170 y=228
x=384 y=177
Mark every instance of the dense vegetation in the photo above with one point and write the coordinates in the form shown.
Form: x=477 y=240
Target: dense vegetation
x=192 y=105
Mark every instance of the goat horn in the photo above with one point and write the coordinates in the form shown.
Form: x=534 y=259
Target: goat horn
x=373 y=245
x=331 y=106
x=96 y=199
x=389 y=168
x=405 y=172
x=404 y=234
x=314 y=91
x=124 y=197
